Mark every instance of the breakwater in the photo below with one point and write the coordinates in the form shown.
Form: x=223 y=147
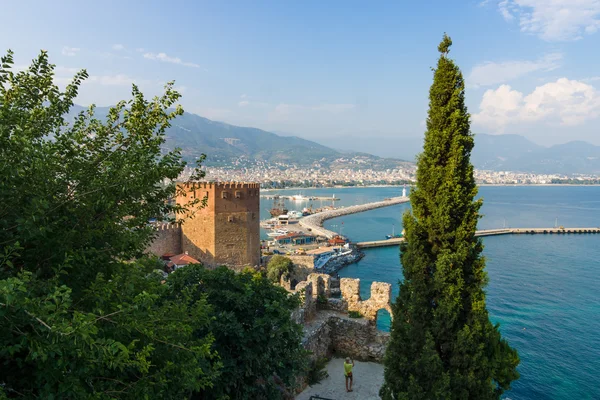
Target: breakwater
x=315 y=222
x=490 y=232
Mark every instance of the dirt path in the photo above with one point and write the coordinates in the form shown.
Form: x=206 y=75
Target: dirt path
x=368 y=378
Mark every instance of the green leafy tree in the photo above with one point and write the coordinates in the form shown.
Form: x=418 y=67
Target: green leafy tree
x=257 y=342
x=443 y=345
x=279 y=266
x=80 y=316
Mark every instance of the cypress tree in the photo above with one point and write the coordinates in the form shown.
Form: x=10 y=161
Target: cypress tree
x=443 y=345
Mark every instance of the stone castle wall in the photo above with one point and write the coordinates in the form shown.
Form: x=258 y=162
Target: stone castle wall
x=167 y=240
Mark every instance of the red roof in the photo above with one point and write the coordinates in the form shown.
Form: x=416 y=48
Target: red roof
x=183 y=259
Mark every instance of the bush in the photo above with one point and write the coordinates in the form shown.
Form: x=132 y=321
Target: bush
x=317 y=371
x=279 y=266
x=256 y=340
x=354 y=314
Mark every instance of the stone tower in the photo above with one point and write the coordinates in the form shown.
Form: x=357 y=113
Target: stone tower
x=227 y=230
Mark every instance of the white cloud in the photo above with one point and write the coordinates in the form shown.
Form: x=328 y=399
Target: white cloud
x=505 y=9
x=554 y=20
x=64 y=76
x=118 y=47
x=70 y=51
x=243 y=96
x=492 y=73
x=257 y=104
x=60 y=70
x=112 y=80
x=564 y=102
x=165 y=58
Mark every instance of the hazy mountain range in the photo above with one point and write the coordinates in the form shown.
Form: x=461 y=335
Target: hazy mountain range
x=222 y=142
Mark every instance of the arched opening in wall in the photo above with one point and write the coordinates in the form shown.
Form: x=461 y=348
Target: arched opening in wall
x=384 y=320
x=293 y=284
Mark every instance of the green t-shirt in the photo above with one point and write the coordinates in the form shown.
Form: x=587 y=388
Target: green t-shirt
x=347 y=368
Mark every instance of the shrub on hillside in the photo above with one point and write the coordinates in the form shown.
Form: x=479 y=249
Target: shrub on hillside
x=279 y=266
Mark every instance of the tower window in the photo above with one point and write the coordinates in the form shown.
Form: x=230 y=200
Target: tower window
x=238 y=195
x=224 y=195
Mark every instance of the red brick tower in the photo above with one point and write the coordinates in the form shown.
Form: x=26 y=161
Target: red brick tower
x=227 y=230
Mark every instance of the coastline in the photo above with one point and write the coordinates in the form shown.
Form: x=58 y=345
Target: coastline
x=412 y=184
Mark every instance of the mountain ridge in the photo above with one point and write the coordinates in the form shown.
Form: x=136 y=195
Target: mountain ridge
x=223 y=142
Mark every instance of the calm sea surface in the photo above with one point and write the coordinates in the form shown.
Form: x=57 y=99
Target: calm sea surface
x=544 y=290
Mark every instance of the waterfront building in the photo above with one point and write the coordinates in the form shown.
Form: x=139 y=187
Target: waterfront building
x=296 y=239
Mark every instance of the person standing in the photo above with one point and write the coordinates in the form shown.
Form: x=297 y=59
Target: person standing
x=348 y=365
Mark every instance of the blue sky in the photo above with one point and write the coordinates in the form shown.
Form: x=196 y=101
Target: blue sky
x=344 y=73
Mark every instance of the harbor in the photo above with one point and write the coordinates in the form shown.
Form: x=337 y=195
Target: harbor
x=490 y=232
x=301 y=233
x=314 y=222
x=299 y=197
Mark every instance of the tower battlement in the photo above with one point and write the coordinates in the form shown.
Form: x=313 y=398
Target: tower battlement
x=167 y=226
x=221 y=185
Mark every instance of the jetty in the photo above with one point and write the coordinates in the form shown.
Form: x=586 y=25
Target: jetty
x=491 y=232
x=314 y=222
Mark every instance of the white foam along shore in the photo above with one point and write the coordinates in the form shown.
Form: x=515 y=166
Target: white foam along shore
x=315 y=222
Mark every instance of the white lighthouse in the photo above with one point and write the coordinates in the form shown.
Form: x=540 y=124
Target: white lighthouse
x=404 y=191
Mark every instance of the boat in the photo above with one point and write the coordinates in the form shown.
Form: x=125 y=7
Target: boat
x=277 y=232
x=278 y=208
x=299 y=197
x=295 y=214
x=393 y=235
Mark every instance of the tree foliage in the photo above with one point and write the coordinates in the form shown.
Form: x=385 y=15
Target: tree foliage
x=443 y=345
x=257 y=342
x=78 y=316
x=279 y=266
x=83 y=314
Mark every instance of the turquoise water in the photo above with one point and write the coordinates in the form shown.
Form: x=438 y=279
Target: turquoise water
x=543 y=289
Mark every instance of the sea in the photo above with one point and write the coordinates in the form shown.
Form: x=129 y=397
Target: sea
x=544 y=290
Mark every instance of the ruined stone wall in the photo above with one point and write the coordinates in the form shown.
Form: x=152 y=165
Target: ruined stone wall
x=336 y=334
x=166 y=240
x=308 y=307
x=303 y=266
x=319 y=341
x=357 y=338
x=320 y=284
x=227 y=230
x=381 y=298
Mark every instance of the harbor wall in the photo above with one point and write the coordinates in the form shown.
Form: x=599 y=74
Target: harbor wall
x=315 y=222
